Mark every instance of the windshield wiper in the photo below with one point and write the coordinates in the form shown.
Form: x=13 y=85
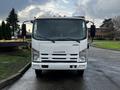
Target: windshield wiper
x=47 y=39
x=77 y=40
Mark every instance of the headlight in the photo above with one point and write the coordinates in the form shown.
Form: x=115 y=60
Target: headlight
x=83 y=56
x=35 y=55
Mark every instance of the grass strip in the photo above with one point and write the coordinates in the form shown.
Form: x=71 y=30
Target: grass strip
x=12 y=62
x=113 y=45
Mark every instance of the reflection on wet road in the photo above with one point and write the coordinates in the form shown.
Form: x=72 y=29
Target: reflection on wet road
x=103 y=73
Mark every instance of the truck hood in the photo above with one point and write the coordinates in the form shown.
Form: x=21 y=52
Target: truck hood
x=59 y=47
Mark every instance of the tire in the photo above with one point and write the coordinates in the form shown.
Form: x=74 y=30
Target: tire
x=80 y=72
x=38 y=72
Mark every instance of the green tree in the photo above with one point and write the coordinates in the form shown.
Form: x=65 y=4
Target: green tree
x=13 y=20
x=24 y=31
x=107 y=23
x=3 y=29
x=8 y=32
x=0 y=33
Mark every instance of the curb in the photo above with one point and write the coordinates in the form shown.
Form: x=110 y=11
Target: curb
x=10 y=80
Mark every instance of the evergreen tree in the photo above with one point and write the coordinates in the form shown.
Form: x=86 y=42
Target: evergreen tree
x=3 y=29
x=0 y=33
x=24 y=31
x=8 y=32
x=13 y=20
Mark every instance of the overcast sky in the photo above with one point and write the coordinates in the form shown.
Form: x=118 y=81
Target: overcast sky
x=95 y=10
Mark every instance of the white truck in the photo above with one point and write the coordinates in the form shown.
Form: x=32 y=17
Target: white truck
x=59 y=43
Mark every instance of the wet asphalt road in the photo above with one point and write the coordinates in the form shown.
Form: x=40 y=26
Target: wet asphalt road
x=103 y=73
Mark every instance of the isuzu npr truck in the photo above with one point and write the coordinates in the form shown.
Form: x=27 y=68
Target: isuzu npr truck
x=59 y=43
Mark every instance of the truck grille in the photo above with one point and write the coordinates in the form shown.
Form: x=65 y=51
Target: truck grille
x=46 y=61
x=58 y=57
x=59 y=54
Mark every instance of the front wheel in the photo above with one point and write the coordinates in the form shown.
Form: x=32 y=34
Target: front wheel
x=38 y=72
x=80 y=72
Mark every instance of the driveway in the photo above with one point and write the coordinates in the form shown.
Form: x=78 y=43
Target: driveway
x=103 y=73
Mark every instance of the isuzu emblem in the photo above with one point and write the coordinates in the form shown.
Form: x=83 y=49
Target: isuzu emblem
x=58 y=51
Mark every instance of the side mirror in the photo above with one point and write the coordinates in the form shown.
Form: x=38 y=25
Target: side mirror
x=32 y=21
x=88 y=46
x=87 y=22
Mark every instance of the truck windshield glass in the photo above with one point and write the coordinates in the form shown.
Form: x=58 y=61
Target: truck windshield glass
x=59 y=29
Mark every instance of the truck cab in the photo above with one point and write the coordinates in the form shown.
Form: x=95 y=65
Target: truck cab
x=59 y=43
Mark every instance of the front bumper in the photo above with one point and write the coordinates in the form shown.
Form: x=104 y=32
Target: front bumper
x=59 y=66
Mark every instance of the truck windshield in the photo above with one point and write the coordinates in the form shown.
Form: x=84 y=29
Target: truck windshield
x=59 y=29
